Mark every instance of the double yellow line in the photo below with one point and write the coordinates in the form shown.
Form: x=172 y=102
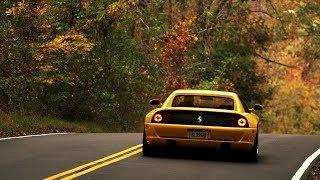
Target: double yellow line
x=94 y=165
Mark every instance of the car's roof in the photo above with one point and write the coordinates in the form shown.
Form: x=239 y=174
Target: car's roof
x=232 y=95
x=204 y=92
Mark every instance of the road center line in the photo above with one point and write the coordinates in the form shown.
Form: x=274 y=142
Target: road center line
x=102 y=165
x=305 y=165
x=119 y=155
x=36 y=135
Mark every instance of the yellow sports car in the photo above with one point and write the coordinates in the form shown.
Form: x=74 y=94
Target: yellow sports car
x=202 y=118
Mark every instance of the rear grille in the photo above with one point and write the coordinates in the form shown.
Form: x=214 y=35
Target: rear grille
x=202 y=118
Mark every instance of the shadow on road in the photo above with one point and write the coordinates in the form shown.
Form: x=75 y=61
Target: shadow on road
x=205 y=154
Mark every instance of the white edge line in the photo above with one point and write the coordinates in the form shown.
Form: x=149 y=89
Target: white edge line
x=305 y=165
x=37 y=135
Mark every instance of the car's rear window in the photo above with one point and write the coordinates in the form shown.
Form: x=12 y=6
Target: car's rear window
x=216 y=102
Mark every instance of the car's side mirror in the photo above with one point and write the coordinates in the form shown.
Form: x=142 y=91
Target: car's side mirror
x=257 y=107
x=154 y=102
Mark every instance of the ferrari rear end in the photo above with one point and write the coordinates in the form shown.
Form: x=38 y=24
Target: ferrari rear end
x=200 y=129
x=199 y=118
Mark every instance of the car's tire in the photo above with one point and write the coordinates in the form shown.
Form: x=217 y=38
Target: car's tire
x=253 y=154
x=146 y=148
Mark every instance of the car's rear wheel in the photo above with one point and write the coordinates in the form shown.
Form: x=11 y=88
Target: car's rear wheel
x=253 y=154
x=146 y=148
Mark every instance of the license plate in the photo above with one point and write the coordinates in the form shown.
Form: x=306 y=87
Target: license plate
x=199 y=134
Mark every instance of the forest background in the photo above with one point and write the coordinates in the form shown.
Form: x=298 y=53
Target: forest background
x=92 y=65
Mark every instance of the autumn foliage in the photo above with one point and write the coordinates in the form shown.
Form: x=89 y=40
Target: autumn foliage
x=173 y=47
x=101 y=61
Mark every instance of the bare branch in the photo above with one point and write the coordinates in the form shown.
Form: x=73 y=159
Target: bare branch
x=275 y=62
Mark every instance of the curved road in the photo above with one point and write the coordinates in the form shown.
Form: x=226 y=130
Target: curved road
x=41 y=157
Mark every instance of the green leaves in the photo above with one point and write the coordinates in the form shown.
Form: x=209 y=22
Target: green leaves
x=104 y=59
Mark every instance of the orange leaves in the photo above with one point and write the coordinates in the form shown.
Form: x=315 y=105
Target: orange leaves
x=294 y=74
x=45 y=26
x=176 y=43
x=173 y=47
x=39 y=57
x=70 y=43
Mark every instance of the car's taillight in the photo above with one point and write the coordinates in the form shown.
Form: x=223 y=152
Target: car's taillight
x=242 y=122
x=157 y=117
x=162 y=117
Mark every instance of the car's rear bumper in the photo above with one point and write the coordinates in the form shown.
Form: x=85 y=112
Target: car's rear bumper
x=235 y=138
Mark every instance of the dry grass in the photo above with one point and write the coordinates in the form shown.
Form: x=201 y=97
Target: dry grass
x=17 y=125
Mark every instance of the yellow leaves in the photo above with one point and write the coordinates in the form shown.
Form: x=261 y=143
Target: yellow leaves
x=120 y=9
x=316 y=21
x=296 y=102
x=17 y=10
x=195 y=38
x=85 y=4
x=302 y=31
x=185 y=23
x=133 y=2
x=155 y=46
x=46 y=68
x=301 y=3
x=70 y=43
x=45 y=26
x=88 y=23
x=117 y=11
x=71 y=83
x=41 y=10
x=290 y=11
x=48 y=82
x=39 y=57
x=144 y=71
x=10 y=11
x=284 y=52
x=116 y=7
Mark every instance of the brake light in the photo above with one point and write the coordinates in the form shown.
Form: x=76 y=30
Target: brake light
x=242 y=122
x=157 y=117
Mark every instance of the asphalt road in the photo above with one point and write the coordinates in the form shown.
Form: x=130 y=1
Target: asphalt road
x=41 y=157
